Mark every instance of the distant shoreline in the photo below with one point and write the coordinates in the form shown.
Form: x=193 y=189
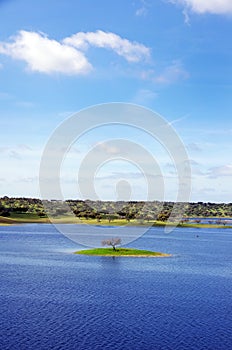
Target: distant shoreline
x=115 y=213
x=4 y=221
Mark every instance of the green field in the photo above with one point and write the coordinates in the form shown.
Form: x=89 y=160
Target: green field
x=120 y=252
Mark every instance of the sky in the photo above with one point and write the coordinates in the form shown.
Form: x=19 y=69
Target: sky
x=173 y=57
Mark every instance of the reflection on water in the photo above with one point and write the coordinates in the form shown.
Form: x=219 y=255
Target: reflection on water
x=53 y=299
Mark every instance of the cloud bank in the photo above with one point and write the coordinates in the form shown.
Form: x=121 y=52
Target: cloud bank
x=68 y=56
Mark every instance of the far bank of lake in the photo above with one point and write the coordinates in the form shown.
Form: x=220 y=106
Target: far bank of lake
x=201 y=222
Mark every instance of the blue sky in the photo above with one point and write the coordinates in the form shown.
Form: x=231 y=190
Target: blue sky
x=174 y=57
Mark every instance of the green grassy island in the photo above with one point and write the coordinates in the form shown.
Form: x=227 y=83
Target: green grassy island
x=122 y=252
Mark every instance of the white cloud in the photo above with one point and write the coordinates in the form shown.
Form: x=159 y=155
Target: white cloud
x=23 y=147
x=18 y=151
x=107 y=148
x=186 y=16
x=142 y=10
x=131 y=51
x=193 y=146
x=45 y=55
x=172 y=73
x=178 y=120
x=206 y=6
x=225 y=170
x=25 y=104
x=29 y=179
x=5 y=96
x=144 y=96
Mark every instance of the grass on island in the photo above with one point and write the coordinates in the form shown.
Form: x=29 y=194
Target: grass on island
x=121 y=252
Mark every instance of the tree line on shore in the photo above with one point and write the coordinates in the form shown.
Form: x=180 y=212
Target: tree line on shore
x=110 y=210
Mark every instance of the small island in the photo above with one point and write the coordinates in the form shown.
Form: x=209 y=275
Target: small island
x=122 y=252
x=119 y=251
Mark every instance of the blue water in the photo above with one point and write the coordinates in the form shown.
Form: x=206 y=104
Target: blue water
x=53 y=299
x=204 y=220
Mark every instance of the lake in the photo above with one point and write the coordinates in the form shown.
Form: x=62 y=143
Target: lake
x=53 y=299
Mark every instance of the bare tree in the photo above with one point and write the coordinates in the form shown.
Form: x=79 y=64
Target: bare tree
x=113 y=242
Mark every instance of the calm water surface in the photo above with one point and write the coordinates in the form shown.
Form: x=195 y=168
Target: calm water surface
x=53 y=299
